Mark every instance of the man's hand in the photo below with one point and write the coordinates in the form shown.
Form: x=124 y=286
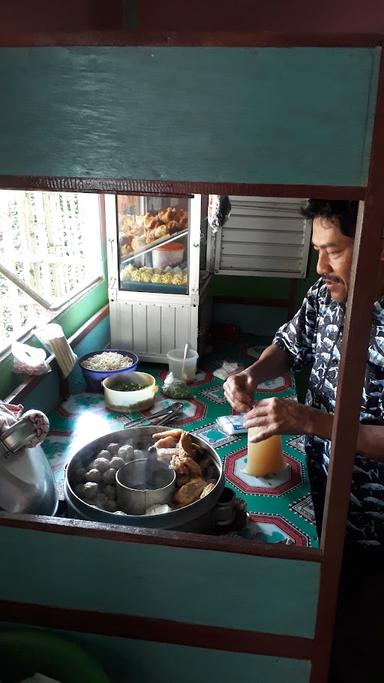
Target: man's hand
x=280 y=416
x=239 y=390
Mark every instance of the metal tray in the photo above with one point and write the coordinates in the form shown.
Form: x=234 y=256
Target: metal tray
x=156 y=287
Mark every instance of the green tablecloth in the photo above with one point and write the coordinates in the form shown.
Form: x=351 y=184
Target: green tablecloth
x=280 y=507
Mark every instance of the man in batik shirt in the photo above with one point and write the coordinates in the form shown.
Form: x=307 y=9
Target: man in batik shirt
x=313 y=338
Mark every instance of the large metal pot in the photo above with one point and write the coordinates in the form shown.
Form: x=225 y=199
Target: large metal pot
x=26 y=481
x=194 y=517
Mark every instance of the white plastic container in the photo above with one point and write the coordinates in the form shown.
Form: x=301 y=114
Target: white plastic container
x=124 y=401
x=168 y=255
x=183 y=369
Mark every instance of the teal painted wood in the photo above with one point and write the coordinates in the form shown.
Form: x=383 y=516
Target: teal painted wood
x=247 y=115
x=137 y=661
x=46 y=394
x=98 y=338
x=257 y=320
x=195 y=586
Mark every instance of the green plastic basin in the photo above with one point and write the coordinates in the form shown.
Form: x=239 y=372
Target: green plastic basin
x=24 y=652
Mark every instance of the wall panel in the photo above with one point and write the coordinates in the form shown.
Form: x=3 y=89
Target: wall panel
x=189 y=113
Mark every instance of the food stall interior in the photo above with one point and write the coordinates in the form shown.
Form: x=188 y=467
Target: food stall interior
x=252 y=606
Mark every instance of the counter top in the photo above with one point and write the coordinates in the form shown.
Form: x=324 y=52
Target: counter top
x=280 y=507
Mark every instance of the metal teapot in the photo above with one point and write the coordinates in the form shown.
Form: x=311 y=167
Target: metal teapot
x=26 y=481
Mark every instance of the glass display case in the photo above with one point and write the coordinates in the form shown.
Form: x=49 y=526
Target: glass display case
x=158 y=276
x=153 y=243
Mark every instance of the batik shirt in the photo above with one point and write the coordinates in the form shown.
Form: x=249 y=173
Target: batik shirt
x=313 y=337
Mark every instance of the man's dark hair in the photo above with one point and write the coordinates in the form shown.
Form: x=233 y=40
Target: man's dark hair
x=344 y=211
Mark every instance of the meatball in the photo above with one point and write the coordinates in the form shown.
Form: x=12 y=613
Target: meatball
x=117 y=462
x=110 y=492
x=110 y=506
x=90 y=490
x=113 y=448
x=93 y=475
x=126 y=453
x=109 y=476
x=104 y=453
x=101 y=464
x=100 y=500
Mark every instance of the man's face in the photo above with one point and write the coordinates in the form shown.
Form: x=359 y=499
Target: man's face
x=334 y=256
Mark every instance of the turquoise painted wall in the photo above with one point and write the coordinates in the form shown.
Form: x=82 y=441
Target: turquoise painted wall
x=182 y=584
x=246 y=115
x=260 y=320
x=140 y=661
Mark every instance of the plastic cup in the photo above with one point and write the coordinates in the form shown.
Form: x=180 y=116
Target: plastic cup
x=264 y=457
x=180 y=368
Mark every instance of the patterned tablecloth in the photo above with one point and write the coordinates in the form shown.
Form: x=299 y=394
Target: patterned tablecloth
x=280 y=507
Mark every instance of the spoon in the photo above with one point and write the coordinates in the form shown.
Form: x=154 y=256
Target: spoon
x=184 y=376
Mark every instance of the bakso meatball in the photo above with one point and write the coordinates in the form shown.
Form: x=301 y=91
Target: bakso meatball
x=117 y=462
x=104 y=453
x=93 y=475
x=126 y=453
x=113 y=448
x=100 y=500
x=101 y=464
x=110 y=506
x=90 y=490
x=109 y=476
x=110 y=492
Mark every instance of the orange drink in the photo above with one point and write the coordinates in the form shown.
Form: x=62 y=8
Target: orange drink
x=264 y=457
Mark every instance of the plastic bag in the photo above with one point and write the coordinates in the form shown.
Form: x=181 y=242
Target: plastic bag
x=219 y=208
x=27 y=360
x=232 y=424
x=227 y=368
x=175 y=388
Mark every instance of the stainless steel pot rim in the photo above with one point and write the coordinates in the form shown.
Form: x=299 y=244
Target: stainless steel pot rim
x=131 y=488
x=174 y=513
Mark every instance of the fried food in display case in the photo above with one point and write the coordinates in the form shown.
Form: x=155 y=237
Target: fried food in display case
x=137 y=231
x=168 y=276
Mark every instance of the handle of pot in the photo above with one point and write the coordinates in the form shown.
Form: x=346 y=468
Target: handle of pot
x=29 y=431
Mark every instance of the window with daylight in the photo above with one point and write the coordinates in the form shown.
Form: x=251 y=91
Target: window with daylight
x=50 y=252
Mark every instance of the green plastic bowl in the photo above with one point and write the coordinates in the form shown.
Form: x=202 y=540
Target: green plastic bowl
x=26 y=652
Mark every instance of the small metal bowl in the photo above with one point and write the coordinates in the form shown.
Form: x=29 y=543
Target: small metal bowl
x=139 y=487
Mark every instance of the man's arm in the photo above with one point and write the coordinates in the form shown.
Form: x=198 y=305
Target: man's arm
x=274 y=361
x=239 y=388
x=284 y=416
